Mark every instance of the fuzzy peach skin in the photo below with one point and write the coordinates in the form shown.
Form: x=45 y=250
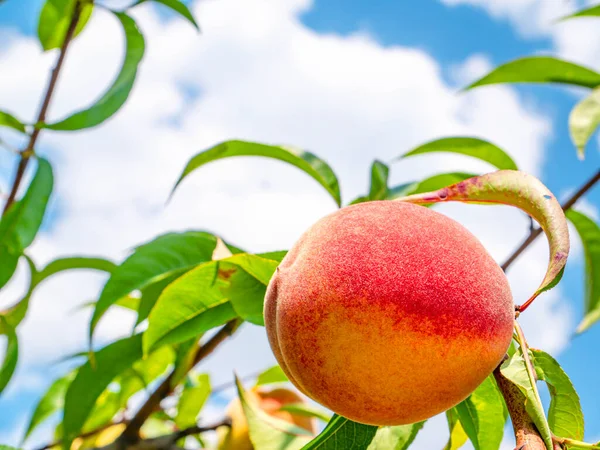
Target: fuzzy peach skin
x=270 y=401
x=388 y=313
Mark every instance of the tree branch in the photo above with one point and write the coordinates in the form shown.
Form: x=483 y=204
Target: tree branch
x=29 y=151
x=131 y=433
x=535 y=232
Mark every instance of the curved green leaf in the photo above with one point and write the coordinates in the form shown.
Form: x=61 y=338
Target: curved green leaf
x=469 y=146
x=11 y=355
x=90 y=382
x=592 y=11
x=272 y=375
x=483 y=416
x=117 y=94
x=55 y=19
x=343 y=434
x=270 y=432
x=458 y=436
x=584 y=120
x=526 y=193
x=165 y=256
x=52 y=402
x=8 y=120
x=176 y=6
x=540 y=69
x=379 y=181
x=191 y=401
x=589 y=233
x=309 y=163
x=20 y=224
x=515 y=369
x=302 y=409
x=395 y=438
x=564 y=414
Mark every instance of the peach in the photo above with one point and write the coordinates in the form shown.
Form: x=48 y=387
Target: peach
x=270 y=401
x=388 y=313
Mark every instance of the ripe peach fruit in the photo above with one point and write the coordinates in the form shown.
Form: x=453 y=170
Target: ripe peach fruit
x=270 y=401
x=388 y=313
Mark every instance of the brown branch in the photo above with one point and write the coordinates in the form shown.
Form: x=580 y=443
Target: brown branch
x=535 y=232
x=131 y=433
x=28 y=151
x=526 y=433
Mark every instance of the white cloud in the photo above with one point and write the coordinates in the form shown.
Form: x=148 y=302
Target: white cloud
x=259 y=74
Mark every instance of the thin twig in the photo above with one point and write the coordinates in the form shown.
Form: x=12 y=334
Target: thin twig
x=84 y=435
x=131 y=432
x=28 y=151
x=534 y=233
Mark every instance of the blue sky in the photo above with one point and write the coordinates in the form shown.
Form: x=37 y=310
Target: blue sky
x=444 y=35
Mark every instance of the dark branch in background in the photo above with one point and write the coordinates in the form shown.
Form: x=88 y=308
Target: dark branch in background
x=28 y=151
x=131 y=433
x=535 y=232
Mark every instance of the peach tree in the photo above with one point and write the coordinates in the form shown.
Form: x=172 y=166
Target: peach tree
x=373 y=313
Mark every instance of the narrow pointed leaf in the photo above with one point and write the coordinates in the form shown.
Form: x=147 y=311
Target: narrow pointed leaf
x=591 y=11
x=8 y=120
x=52 y=402
x=55 y=19
x=540 y=69
x=483 y=416
x=469 y=146
x=11 y=354
x=379 y=181
x=270 y=432
x=178 y=7
x=191 y=401
x=309 y=163
x=114 y=98
x=458 y=436
x=589 y=233
x=90 y=382
x=584 y=120
x=527 y=193
x=515 y=369
x=20 y=224
x=395 y=438
x=163 y=257
x=272 y=375
x=341 y=433
x=302 y=409
x=565 y=416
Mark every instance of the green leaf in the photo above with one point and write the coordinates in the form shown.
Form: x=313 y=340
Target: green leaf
x=191 y=401
x=90 y=382
x=55 y=19
x=185 y=353
x=589 y=233
x=114 y=98
x=11 y=354
x=395 y=438
x=379 y=180
x=564 y=414
x=52 y=402
x=458 y=437
x=591 y=11
x=302 y=409
x=511 y=187
x=515 y=369
x=483 y=415
x=469 y=146
x=309 y=163
x=540 y=69
x=20 y=224
x=150 y=295
x=176 y=6
x=343 y=434
x=584 y=120
x=191 y=305
x=272 y=375
x=247 y=278
x=268 y=432
x=167 y=255
x=432 y=183
x=8 y=120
